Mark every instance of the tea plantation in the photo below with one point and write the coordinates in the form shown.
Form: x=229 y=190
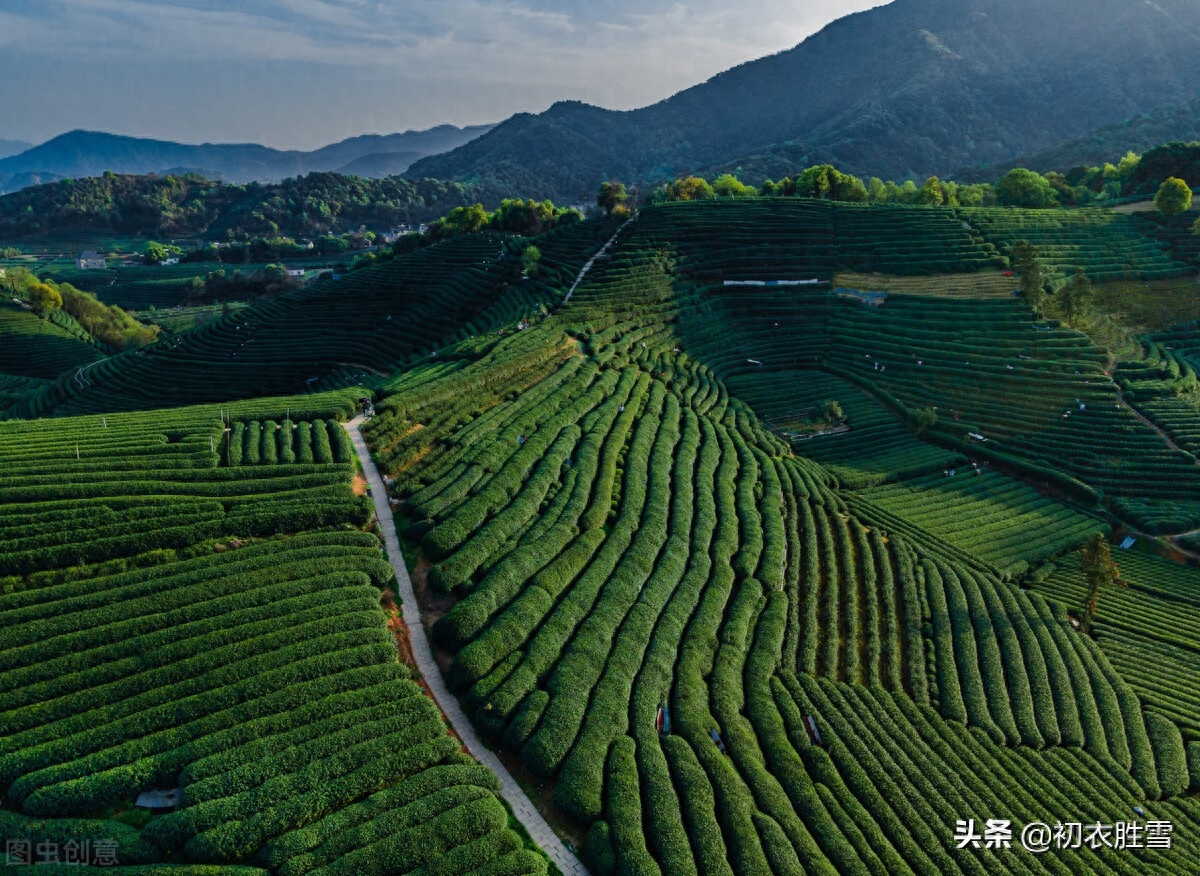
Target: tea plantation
x=740 y=567
x=175 y=618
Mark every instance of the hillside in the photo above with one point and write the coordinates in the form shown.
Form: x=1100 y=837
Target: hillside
x=34 y=347
x=747 y=533
x=642 y=532
x=966 y=84
x=91 y=153
x=355 y=329
x=1139 y=134
x=14 y=182
x=380 y=164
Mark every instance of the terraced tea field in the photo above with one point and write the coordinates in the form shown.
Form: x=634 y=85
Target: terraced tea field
x=718 y=624
x=1106 y=244
x=173 y=623
x=875 y=447
x=981 y=284
x=330 y=334
x=35 y=347
x=626 y=539
x=992 y=517
x=1152 y=623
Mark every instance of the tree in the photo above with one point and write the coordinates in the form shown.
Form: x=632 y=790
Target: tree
x=1100 y=572
x=1074 y=297
x=729 y=186
x=931 y=194
x=44 y=297
x=1174 y=197
x=157 y=253
x=690 y=188
x=832 y=412
x=923 y=420
x=530 y=259
x=827 y=182
x=16 y=280
x=1025 y=188
x=461 y=220
x=1025 y=262
x=612 y=195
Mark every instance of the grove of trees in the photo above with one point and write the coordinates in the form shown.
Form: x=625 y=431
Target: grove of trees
x=111 y=326
x=514 y=216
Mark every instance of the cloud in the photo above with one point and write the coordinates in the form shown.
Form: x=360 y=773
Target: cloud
x=451 y=60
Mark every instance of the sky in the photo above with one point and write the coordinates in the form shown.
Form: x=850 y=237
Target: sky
x=298 y=74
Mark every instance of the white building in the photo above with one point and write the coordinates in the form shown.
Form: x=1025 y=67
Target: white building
x=90 y=261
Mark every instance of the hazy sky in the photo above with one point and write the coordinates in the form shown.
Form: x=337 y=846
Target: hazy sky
x=303 y=73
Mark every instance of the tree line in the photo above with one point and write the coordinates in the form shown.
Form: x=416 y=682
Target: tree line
x=1171 y=171
x=190 y=205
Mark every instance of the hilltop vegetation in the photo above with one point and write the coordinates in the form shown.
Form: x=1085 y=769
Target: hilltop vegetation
x=189 y=206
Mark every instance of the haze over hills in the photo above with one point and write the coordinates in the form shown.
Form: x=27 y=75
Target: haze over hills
x=914 y=88
x=13 y=147
x=89 y=153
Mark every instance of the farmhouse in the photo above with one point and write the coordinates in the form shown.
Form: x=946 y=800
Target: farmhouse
x=90 y=261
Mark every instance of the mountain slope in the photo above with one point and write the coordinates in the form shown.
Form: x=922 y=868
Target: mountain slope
x=908 y=89
x=88 y=153
x=380 y=164
x=1177 y=122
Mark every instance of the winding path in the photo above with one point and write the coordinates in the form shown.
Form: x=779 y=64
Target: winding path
x=1153 y=425
x=603 y=250
x=522 y=807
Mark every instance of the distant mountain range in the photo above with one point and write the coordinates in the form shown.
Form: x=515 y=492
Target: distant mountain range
x=914 y=88
x=89 y=153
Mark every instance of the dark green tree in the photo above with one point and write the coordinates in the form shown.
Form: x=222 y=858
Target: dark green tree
x=923 y=420
x=1075 y=296
x=832 y=412
x=1026 y=263
x=1025 y=188
x=1100 y=572
x=612 y=195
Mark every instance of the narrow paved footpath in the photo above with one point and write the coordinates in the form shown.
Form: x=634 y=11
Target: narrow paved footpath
x=603 y=251
x=525 y=811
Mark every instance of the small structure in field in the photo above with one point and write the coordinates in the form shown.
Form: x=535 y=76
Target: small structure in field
x=90 y=260
x=871 y=299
